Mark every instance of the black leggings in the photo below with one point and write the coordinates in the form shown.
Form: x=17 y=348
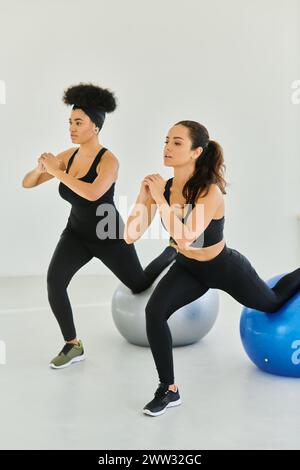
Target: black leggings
x=189 y=279
x=71 y=253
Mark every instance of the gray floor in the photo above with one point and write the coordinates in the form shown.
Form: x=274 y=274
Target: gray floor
x=227 y=402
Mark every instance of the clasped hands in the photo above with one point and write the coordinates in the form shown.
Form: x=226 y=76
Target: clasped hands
x=47 y=162
x=156 y=185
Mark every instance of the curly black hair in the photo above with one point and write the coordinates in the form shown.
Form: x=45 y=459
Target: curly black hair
x=87 y=95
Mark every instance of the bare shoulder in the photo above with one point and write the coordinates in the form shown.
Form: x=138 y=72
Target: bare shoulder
x=213 y=191
x=109 y=160
x=109 y=156
x=65 y=155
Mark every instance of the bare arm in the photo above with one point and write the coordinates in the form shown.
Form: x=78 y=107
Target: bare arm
x=35 y=177
x=141 y=215
x=108 y=174
x=90 y=191
x=39 y=174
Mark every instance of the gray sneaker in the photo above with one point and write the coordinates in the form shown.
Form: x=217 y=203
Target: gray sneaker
x=70 y=353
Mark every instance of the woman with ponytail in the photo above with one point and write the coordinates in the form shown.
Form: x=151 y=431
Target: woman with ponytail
x=191 y=206
x=87 y=175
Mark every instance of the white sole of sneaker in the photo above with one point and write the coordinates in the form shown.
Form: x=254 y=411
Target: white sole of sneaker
x=158 y=413
x=75 y=359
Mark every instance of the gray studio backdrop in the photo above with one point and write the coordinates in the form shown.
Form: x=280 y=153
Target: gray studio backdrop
x=229 y=64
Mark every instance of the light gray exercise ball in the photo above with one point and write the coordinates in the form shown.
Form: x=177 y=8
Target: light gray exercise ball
x=188 y=324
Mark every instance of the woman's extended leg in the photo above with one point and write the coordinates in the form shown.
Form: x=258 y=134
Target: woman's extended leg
x=121 y=258
x=232 y=272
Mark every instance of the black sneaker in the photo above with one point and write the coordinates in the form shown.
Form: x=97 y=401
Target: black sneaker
x=163 y=399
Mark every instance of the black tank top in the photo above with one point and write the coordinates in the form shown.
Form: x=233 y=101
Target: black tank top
x=86 y=216
x=213 y=232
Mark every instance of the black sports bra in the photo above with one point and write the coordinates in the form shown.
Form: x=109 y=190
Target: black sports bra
x=76 y=200
x=212 y=234
x=85 y=215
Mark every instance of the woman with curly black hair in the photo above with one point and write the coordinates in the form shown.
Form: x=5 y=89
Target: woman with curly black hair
x=192 y=208
x=87 y=180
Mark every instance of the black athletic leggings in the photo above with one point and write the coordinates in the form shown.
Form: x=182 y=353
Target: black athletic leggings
x=189 y=279
x=72 y=252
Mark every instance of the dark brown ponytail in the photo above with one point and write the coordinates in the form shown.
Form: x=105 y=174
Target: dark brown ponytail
x=210 y=167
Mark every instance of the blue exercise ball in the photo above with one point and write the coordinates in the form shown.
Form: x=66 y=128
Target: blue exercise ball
x=272 y=340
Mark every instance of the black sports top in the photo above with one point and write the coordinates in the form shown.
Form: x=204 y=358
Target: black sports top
x=213 y=232
x=83 y=218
